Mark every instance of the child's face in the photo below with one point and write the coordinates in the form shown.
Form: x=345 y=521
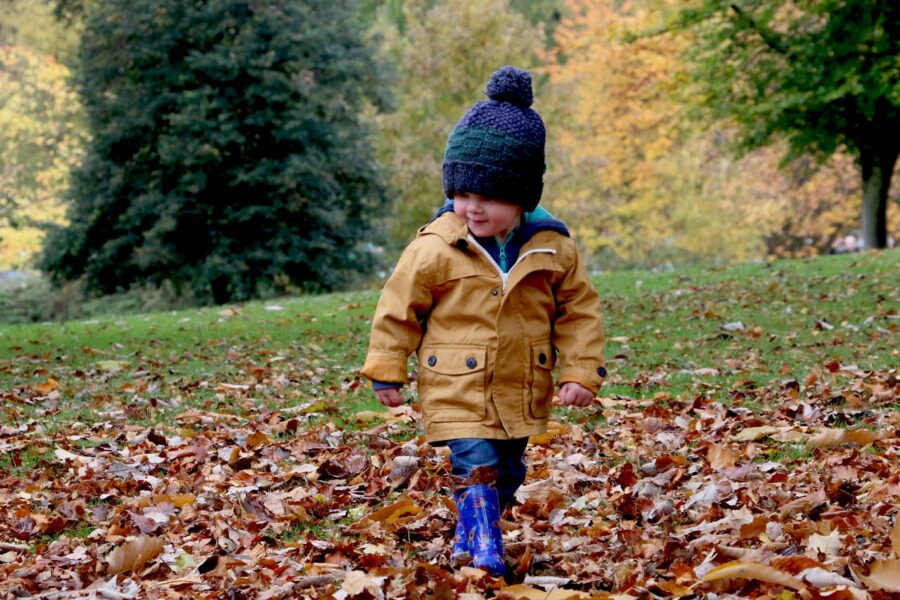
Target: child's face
x=486 y=217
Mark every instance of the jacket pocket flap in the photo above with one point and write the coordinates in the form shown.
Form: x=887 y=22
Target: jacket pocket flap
x=453 y=360
x=542 y=355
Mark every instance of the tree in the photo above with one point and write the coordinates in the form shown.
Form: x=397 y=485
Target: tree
x=228 y=155
x=637 y=184
x=823 y=74
x=444 y=55
x=41 y=125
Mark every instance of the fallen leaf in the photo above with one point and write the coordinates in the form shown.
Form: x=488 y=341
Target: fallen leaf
x=830 y=544
x=65 y=455
x=720 y=456
x=548 y=583
x=395 y=511
x=357 y=582
x=132 y=555
x=146 y=524
x=884 y=575
x=751 y=434
x=258 y=439
x=527 y=592
x=704 y=497
x=753 y=570
x=827 y=438
x=111 y=365
x=864 y=437
x=184 y=562
x=47 y=387
x=822 y=578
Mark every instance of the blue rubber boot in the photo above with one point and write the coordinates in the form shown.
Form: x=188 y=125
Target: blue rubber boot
x=459 y=553
x=480 y=507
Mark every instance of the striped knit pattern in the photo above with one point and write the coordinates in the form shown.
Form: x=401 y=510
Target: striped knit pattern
x=497 y=147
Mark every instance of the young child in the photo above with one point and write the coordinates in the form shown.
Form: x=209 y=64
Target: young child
x=486 y=295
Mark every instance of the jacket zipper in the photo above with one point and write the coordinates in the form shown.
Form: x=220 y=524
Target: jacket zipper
x=504 y=277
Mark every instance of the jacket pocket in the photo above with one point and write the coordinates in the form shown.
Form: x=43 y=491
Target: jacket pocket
x=542 y=361
x=451 y=382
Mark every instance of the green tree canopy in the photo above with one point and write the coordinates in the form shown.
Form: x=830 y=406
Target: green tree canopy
x=823 y=75
x=228 y=156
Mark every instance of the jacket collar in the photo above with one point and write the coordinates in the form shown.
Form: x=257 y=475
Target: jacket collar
x=532 y=222
x=450 y=228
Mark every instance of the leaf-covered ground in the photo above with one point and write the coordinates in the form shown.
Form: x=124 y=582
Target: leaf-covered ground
x=746 y=444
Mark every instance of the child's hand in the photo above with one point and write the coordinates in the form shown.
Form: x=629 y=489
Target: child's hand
x=389 y=397
x=574 y=394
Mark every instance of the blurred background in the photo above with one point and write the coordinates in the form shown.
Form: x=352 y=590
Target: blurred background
x=165 y=153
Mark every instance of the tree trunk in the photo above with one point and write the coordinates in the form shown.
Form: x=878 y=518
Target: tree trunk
x=877 y=168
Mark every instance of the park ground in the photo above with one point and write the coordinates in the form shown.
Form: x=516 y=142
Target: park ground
x=746 y=443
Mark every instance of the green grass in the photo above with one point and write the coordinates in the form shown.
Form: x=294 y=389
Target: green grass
x=790 y=454
x=25 y=460
x=674 y=323
x=302 y=354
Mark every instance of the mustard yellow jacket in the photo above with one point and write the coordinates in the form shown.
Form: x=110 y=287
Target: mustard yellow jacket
x=486 y=341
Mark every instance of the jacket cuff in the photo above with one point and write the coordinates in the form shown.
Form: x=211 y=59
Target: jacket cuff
x=592 y=379
x=386 y=367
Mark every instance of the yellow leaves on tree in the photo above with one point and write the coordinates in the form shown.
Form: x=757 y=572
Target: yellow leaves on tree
x=40 y=129
x=643 y=184
x=443 y=57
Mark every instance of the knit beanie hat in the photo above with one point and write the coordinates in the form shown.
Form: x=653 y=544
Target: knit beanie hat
x=497 y=147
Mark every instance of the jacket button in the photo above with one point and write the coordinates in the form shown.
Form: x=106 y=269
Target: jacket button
x=471 y=363
x=432 y=360
x=601 y=371
x=494 y=292
x=542 y=358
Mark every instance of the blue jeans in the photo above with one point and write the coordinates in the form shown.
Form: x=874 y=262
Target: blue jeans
x=467 y=454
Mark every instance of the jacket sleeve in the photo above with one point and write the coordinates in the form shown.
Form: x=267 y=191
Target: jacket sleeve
x=578 y=329
x=397 y=325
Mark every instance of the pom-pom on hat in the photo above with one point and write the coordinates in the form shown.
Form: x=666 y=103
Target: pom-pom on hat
x=497 y=147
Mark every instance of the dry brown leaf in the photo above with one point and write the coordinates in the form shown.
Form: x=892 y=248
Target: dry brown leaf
x=884 y=575
x=674 y=588
x=827 y=438
x=144 y=523
x=358 y=582
x=134 y=554
x=864 y=437
x=392 y=512
x=753 y=570
x=553 y=429
x=751 y=434
x=178 y=500
x=47 y=387
x=519 y=591
x=794 y=564
x=257 y=439
x=720 y=457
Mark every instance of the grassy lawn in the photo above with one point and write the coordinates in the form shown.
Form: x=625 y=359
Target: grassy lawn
x=718 y=332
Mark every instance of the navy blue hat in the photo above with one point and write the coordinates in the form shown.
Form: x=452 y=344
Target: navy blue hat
x=497 y=147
